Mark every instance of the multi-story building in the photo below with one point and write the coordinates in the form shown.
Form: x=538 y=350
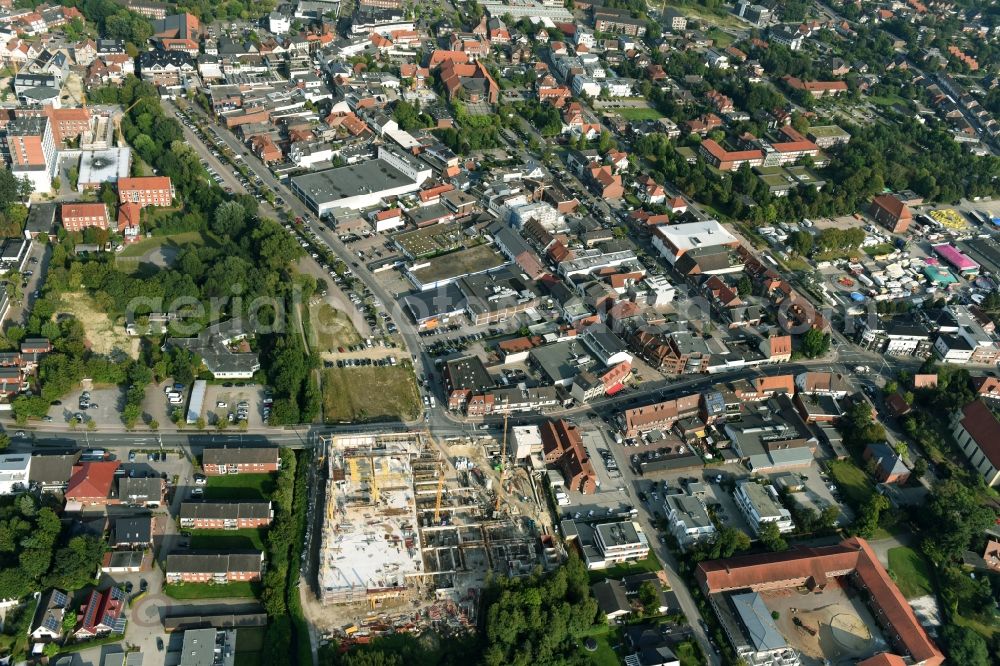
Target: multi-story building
x=621 y=542
x=80 y=216
x=31 y=147
x=688 y=519
x=15 y=472
x=759 y=507
x=146 y=191
x=68 y=124
x=225 y=515
x=562 y=446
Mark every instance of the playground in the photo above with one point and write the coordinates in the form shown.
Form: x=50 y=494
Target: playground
x=833 y=627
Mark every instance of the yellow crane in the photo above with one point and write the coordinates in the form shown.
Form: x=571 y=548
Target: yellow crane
x=503 y=466
x=118 y=121
x=440 y=491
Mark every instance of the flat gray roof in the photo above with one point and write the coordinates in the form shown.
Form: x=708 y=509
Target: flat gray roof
x=349 y=181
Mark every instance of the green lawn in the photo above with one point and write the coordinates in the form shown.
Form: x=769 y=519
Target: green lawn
x=721 y=39
x=852 y=481
x=604 y=655
x=142 y=247
x=639 y=113
x=183 y=591
x=987 y=631
x=651 y=563
x=249 y=643
x=239 y=487
x=910 y=571
x=251 y=539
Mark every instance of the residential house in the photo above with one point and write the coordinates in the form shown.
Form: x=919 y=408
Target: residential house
x=190 y=567
x=141 y=491
x=225 y=515
x=132 y=532
x=47 y=624
x=889 y=465
x=240 y=460
x=93 y=483
x=102 y=614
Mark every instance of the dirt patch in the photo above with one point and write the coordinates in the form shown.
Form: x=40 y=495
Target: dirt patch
x=330 y=329
x=103 y=336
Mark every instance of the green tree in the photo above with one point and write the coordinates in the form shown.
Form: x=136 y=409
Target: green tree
x=815 y=343
x=649 y=599
x=770 y=536
x=965 y=646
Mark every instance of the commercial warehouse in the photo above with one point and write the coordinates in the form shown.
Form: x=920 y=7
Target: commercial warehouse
x=357 y=186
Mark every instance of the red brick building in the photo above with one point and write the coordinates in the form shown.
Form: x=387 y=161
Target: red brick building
x=245 y=460
x=80 y=216
x=214 y=567
x=225 y=515
x=563 y=447
x=146 y=191
x=891 y=213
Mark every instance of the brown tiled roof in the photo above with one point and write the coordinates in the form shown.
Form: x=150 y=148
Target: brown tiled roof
x=884 y=659
x=893 y=206
x=925 y=381
x=983 y=427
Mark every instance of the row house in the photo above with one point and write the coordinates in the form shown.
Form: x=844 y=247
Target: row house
x=675 y=353
x=217 y=568
x=225 y=515
x=243 y=460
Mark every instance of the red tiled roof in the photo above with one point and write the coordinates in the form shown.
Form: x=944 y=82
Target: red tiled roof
x=723 y=155
x=91 y=479
x=818 y=563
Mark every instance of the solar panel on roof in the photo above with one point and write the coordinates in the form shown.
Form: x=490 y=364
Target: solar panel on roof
x=51 y=623
x=59 y=598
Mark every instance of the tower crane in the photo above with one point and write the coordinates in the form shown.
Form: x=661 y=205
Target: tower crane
x=118 y=120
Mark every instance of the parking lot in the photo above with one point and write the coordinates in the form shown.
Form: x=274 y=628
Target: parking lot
x=222 y=400
x=103 y=406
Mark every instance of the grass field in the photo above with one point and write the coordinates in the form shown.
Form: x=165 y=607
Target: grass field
x=239 y=487
x=721 y=39
x=183 y=591
x=234 y=540
x=605 y=636
x=249 y=642
x=103 y=336
x=651 y=563
x=852 y=481
x=330 y=329
x=639 y=113
x=370 y=393
x=910 y=571
x=137 y=250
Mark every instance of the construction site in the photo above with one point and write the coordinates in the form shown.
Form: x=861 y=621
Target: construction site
x=413 y=528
